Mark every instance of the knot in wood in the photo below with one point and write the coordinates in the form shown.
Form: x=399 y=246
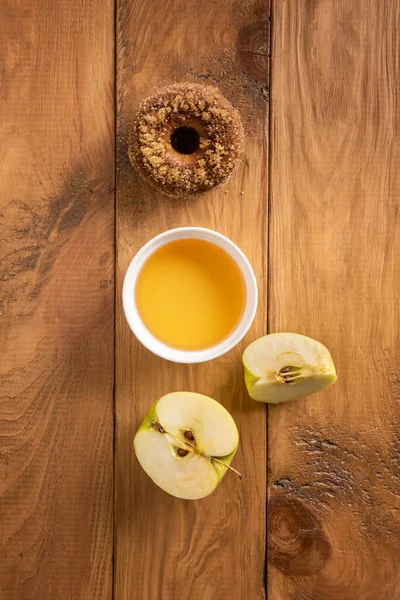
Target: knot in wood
x=297 y=542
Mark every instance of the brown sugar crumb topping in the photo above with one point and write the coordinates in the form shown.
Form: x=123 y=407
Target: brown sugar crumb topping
x=178 y=109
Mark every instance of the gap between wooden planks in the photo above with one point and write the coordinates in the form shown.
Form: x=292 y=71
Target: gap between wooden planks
x=165 y=547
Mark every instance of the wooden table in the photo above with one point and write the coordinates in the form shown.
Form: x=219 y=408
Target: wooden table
x=315 y=206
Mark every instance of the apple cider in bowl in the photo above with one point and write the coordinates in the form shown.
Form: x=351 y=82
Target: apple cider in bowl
x=190 y=294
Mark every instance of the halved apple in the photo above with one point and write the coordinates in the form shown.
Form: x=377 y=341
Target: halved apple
x=284 y=366
x=186 y=444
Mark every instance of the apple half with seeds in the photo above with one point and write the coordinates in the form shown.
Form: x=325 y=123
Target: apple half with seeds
x=284 y=366
x=186 y=444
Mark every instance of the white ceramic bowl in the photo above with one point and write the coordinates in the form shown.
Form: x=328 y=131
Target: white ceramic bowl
x=132 y=314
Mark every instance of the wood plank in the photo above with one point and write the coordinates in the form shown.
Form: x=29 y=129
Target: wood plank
x=56 y=292
x=334 y=485
x=165 y=547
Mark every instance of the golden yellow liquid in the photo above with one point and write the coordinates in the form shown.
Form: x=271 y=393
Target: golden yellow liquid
x=190 y=294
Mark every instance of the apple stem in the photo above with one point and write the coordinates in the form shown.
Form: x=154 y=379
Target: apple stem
x=227 y=467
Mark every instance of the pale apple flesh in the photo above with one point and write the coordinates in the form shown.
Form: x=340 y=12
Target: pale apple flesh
x=186 y=444
x=280 y=367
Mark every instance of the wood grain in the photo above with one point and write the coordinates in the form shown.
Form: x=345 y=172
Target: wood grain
x=165 y=547
x=334 y=485
x=56 y=293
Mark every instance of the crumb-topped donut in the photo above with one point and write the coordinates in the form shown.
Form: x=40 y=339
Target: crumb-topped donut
x=186 y=139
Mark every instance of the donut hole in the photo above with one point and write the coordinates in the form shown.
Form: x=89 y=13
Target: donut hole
x=185 y=140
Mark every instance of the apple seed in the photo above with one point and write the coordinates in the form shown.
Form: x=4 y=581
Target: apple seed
x=156 y=425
